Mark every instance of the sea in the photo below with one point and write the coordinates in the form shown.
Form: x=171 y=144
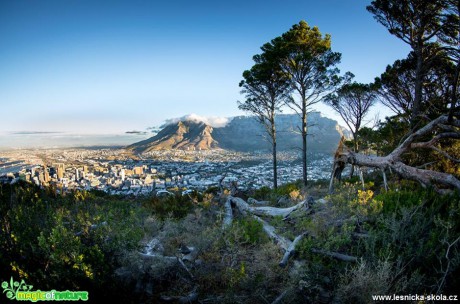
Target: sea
x=66 y=140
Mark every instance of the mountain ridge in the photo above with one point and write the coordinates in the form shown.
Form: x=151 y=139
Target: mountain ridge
x=243 y=133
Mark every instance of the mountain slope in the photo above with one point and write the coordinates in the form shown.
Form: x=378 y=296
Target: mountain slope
x=244 y=133
x=184 y=135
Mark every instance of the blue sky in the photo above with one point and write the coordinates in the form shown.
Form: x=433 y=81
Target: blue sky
x=112 y=66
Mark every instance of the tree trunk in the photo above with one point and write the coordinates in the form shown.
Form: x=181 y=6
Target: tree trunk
x=304 y=143
x=355 y=148
x=418 y=86
x=275 y=169
x=453 y=101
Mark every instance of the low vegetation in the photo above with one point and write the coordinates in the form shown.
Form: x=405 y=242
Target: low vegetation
x=405 y=241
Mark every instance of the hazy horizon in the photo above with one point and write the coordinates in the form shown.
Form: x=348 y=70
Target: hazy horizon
x=26 y=139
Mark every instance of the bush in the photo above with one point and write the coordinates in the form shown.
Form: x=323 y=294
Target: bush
x=361 y=282
x=176 y=206
x=291 y=190
x=72 y=241
x=247 y=231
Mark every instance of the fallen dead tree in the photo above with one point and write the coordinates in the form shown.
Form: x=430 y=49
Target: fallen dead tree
x=441 y=127
x=154 y=251
x=335 y=255
x=268 y=211
x=259 y=211
x=285 y=244
x=190 y=298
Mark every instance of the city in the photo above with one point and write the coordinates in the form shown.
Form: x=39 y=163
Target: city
x=118 y=171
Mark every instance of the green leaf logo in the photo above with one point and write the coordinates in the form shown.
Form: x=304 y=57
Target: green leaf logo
x=13 y=287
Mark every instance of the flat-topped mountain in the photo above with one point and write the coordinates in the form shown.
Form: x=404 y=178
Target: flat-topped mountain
x=244 y=133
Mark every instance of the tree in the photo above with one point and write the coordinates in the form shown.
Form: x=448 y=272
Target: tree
x=416 y=22
x=424 y=84
x=265 y=88
x=449 y=38
x=396 y=86
x=307 y=60
x=352 y=102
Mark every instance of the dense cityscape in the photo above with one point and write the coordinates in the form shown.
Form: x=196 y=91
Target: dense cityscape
x=117 y=171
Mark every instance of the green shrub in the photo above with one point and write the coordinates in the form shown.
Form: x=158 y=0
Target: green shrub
x=263 y=193
x=247 y=231
x=72 y=241
x=176 y=206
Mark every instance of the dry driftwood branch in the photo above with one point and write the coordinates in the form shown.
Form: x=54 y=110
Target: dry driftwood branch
x=285 y=244
x=360 y=235
x=280 y=298
x=190 y=298
x=267 y=211
x=228 y=215
x=335 y=255
x=385 y=182
x=393 y=160
x=253 y=201
x=154 y=250
x=272 y=211
x=290 y=250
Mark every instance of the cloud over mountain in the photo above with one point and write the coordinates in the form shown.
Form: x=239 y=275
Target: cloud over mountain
x=241 y=133
x=213 y=121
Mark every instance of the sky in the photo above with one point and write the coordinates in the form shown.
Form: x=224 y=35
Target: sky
x=106 y=67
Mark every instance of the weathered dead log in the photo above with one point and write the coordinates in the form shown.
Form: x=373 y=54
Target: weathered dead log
x=393 y=160
x=228 y=215
x=361 y=177
x=335 y=255
x=164 y=259
x=186 y=268
x=285 y=244
x=424 y=177
x=272 y=211
x=221 y=180
x=280 y=298
x=191 y=256
x=291 y=250
x=267 y=211
x=385 y=183
x=190 y=298
x=253 y=201
x=154 y=250
x=359 y=235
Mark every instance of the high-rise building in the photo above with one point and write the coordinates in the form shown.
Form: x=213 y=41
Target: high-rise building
x=122 y=174
x=60 y=171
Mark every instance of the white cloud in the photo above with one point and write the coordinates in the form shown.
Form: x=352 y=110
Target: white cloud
x=213 y=121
